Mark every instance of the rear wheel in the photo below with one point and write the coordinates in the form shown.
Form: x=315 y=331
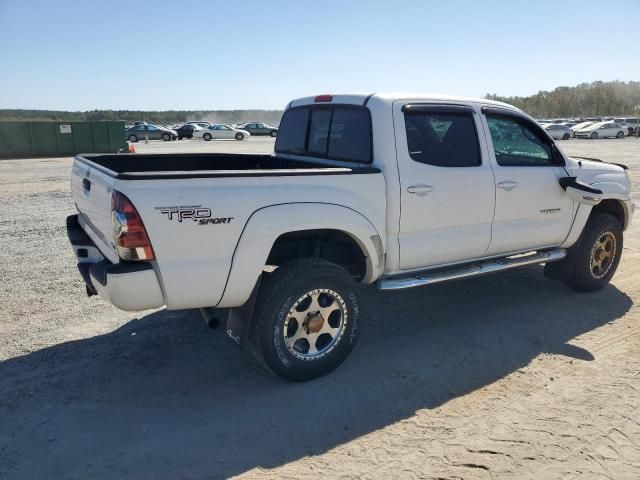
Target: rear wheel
x=306 y=319
x=239 y=136
x=207 y=136
x=133 y=138
x=594 y=135
x=597 y=254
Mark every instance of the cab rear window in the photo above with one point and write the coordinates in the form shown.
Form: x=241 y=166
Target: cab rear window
x=340 y=132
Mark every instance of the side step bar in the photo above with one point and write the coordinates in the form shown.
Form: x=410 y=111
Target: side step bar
x=470 y=270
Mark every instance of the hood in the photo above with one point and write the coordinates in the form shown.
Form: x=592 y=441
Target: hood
x=591 y=128
x=600 y=174
x=581 y=125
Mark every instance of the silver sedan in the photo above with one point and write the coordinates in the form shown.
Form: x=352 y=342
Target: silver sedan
x=558 y=131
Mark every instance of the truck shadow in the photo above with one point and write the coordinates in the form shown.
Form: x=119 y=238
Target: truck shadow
x=164 y=397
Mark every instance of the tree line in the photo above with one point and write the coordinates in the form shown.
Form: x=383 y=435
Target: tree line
x=584 y=100
x=168 y=117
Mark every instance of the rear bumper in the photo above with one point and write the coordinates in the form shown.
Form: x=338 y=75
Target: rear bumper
x=129 y=286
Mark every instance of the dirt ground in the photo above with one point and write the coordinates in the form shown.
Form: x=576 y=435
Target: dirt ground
x=504 y=376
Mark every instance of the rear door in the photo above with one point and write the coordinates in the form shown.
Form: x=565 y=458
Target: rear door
x=153 y=133
x=447 y=187
x=532 y=210
x=91 y=190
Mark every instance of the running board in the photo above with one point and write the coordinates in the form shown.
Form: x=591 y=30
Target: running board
x=463 y=271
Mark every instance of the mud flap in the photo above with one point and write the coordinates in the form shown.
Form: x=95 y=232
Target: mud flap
x=239 y=319
x=561 y=271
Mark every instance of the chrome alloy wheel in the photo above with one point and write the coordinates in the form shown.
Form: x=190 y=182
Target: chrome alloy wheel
x=603 y=254
x=315 y=324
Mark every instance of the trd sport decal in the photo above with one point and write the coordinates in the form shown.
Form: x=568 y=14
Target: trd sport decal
x=195 y=213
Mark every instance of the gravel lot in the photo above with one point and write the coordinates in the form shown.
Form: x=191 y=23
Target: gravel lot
x=504 y=376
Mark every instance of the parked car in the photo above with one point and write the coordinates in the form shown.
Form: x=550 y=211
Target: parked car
x=220 y=131
x=481 y=188
x=579 y=126
x=152 y=132
x=257 y=128
x=633 y=124
x=629 y=123
x=602 y=130
x=187 y=130
x=558 y=131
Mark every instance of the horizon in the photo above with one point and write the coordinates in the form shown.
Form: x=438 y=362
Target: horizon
x=98 y=58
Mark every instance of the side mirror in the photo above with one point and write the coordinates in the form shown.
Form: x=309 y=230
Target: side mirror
x=580 y=192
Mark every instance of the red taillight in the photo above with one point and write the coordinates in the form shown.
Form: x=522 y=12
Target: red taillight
x=323 y=98
x=129 y=233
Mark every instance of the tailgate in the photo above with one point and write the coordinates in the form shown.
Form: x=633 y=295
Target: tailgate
x=91 y=191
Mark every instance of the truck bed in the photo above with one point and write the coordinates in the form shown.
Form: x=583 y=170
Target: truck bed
x=193 y=165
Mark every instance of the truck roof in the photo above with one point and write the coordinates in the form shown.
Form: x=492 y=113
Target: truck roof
x=390 y=97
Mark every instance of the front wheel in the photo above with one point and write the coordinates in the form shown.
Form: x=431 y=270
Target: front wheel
x=166 y=137
x=566 y=136
x=239 y=136
x=594 y=135
x=274 y=133
x=620 y=135
x=307 y=319
x=207 y=137
x=597 y=254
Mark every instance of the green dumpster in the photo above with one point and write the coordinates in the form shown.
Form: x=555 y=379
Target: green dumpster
x=43 y=139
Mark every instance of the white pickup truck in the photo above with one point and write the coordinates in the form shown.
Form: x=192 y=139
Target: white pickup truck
x=400 y=190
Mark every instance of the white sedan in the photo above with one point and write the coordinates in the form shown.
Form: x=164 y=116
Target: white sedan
x=220 y=131
x=580 y=126
x=601 y=130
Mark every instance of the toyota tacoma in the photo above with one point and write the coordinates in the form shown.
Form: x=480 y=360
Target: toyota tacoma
x=400 y=191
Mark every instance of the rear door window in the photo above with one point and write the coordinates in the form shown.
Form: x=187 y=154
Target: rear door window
x=442 y=139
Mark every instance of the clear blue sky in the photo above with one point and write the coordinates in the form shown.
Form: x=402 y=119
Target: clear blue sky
x=212 y=54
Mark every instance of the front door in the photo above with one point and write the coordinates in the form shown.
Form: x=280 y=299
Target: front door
x=532 y=210
x=447 y=187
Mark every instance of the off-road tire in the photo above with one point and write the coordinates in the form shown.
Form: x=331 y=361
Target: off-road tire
x=278 y=293
x=581 y=276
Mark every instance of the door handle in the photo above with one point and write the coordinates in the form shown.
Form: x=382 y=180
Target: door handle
x=507 y=185
x=86 y=184
x=420 y=190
